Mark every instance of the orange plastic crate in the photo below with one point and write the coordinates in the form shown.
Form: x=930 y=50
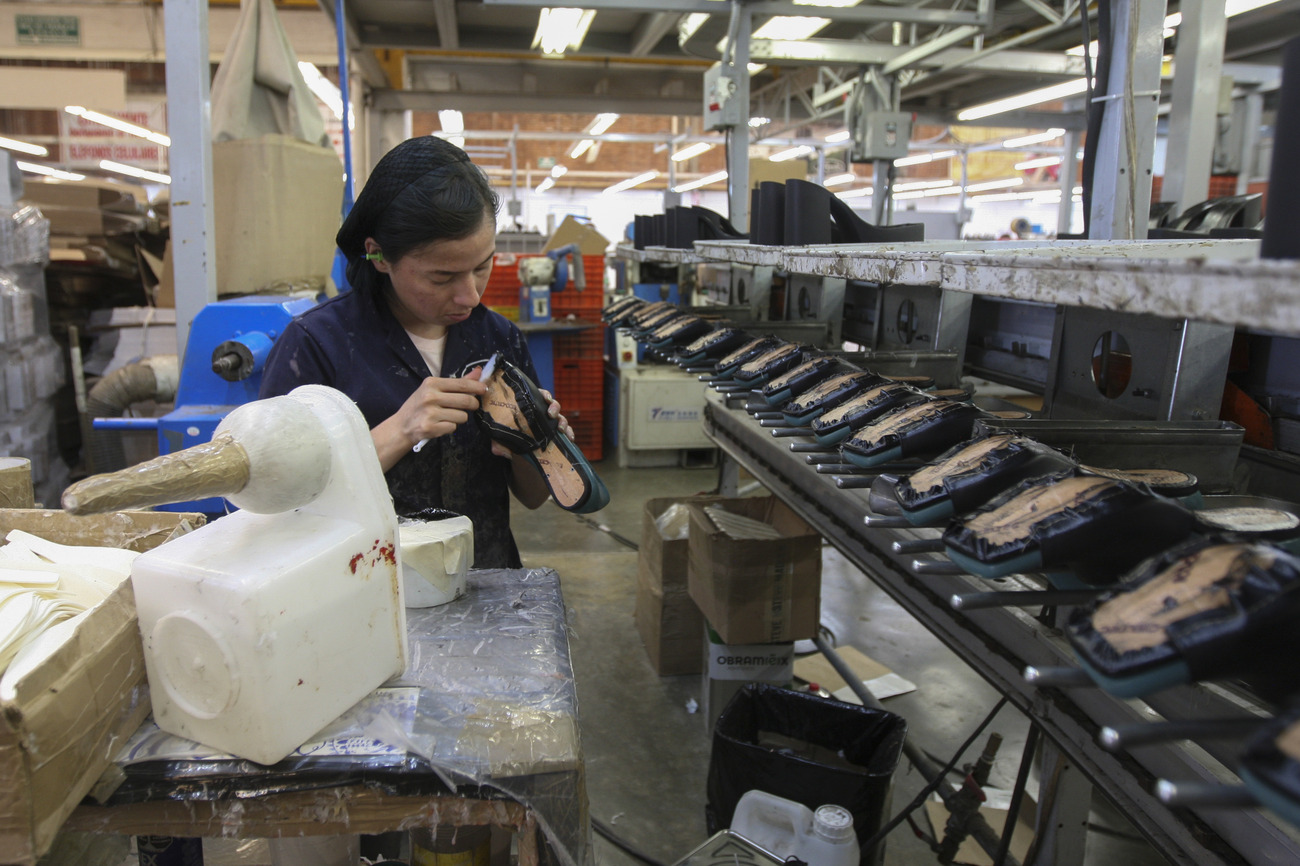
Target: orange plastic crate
x=587 y=344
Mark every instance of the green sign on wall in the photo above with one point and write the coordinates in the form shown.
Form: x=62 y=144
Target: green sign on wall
x=48 y=29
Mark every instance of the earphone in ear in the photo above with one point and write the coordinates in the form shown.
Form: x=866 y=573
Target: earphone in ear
x=375 y=257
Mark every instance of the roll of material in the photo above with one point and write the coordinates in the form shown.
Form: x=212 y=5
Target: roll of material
x=1282 y=224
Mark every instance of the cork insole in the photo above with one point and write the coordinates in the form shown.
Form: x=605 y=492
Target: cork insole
x=735 y=356
x=1153 y=477
x=1204 y=581
x=931 y=477
x=756 y=366
x=786 y=378
x=1016 y=519
x=562 y=477
x=844 y=410
x=897 y=421
x=825 y=389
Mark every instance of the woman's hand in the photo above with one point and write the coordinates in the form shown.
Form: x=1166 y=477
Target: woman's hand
x=436 y=408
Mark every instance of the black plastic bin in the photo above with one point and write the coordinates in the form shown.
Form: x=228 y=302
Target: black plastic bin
x=808 y=749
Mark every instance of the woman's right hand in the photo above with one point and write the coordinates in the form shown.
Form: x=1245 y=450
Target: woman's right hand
x=435 y=409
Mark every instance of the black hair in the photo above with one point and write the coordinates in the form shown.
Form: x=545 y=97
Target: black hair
x=423 y=191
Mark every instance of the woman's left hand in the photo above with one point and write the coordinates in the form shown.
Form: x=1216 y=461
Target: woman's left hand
x=553 y=412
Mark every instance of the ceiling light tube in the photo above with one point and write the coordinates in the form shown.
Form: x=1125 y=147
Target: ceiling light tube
x=562 y=28
x=630 y=182
x=558 y=171
x=756 y=122
x=947 y=190
x=118 y=124
x=48 y=171
x=793 y=152
x=452 y=121
x=581 y=147
x=856 y=193
x=132 y=171
x=903 y=196
x=921 y=158
x=1024 y=100
x=994 y=184
x=840 y=179
x=837 y=137
x=602 y=123
x=546 y=184
x=691 y=150
x=921 y=184
x=703 y=181
x=23 y=147
x=1041 y=162
x=1036 y=138
x=326 y=91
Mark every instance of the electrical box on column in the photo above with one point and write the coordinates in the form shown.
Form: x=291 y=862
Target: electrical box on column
x=723 y=109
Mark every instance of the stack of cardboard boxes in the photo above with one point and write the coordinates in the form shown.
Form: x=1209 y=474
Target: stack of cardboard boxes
x=726 y=608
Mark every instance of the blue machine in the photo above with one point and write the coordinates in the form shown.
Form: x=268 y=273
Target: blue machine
x=539 y=277
x=228 y=345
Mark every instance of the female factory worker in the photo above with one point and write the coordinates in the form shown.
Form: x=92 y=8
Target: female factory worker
x=407 y=343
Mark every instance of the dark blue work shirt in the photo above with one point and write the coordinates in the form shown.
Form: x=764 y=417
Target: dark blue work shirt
x=354 y=344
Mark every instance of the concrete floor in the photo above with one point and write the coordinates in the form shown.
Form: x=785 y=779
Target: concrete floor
x=647 y=754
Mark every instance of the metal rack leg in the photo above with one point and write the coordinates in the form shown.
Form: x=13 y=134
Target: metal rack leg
x=1064 y=801
x=728 y=476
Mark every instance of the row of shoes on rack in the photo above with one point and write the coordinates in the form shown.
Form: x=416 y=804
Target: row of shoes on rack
x=1180 y=592
x=791 y=213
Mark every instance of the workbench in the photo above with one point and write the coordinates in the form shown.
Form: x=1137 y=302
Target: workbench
x=481 y=729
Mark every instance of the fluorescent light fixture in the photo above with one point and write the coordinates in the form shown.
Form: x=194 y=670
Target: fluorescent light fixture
x=36 y=168
x=546 y=184
x=1036 y=138
x=754 y=68
x=602 y=123
x=452 y=121
x=790 y=28
x=326 y=91
x=997 y=196
x=132 y=171
x=756 y=122
x=630 y=182
x=691 y=23
x=836 y=138
x=1041 y=162
x=947 y=190
x=581 y=147
x=1241 y=7
x=925 y=157
x=691 y=150
x=118 y=124
x=562 y=28
x=856 y=193
x=793 y=152
x=1078 y=190
x=23 y=147
x=1024 y=100
x=558 y=171
x=840 y=179
x=903 y=196
x=703 y=181
x=994 y=184
x=921 y=184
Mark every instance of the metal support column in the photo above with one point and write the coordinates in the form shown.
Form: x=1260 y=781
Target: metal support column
x=1253 y=117
x=880 y=191
x=1065 y=798
x=1069 y=179
x=738 y=138
x=1194 y=113
x=189 y=123
x=1121 y=196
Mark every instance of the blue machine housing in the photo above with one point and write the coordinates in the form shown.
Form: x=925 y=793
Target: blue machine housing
x=234 y=336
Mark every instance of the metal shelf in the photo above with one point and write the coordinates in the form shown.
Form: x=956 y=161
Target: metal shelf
x=999 y=643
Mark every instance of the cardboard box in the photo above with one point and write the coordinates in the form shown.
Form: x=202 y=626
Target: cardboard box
x=590 y=242
x=68 y=718
x=277 y=204
x=88 y=207
x=730 y=667
x=757 y=591
x=670 y=623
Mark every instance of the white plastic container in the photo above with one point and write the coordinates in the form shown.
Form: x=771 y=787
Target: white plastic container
x=261 y=628
x=436 y=558
x=823 y=837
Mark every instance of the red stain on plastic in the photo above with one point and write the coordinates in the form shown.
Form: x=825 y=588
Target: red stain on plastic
x=355 y=561
x=380 y=552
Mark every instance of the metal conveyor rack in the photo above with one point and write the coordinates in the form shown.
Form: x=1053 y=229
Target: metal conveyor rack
x=999 y=643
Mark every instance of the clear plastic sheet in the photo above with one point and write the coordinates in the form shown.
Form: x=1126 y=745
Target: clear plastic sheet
x=495 y=708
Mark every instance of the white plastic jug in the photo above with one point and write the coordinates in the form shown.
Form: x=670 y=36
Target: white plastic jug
x=823 y=837
x=265 y=625
x=436 y=559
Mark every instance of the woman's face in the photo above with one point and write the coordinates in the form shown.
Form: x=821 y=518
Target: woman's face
x=439 y=284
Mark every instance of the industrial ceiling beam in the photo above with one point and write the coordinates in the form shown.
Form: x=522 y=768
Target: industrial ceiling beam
x=578 y=103
x=371 y=72
x=828 y=52
x=905 y=14
x=651 y=31
x=444 y=15
x=929 y=48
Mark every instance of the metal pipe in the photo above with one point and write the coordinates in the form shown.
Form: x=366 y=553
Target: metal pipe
x=1022 y=598
x=1149 y=733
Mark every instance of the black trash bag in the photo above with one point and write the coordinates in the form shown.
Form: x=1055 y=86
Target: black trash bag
x=804 y=748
